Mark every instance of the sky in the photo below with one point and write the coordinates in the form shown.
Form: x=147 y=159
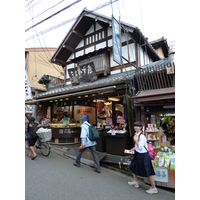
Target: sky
x=154 y=18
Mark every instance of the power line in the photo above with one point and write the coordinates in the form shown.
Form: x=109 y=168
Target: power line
x=44 y=11
x=75 y=2
x=32 y=5
x=29 y=3
x=42 y=47
x=67 y=21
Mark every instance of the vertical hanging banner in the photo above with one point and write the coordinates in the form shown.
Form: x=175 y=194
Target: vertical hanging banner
x=28 y=94
x=116 y=41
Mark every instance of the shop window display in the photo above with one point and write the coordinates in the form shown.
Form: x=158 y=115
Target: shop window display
x=160 y=131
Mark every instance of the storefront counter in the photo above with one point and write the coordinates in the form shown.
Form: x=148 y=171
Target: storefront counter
x=101 y=142
x=66 y=135
x=117 y=142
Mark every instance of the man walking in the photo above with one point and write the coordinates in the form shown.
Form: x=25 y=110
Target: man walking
x=87 y=143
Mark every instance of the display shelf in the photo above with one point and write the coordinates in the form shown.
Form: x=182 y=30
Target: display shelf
x=156 y=142
x=153 y=140
x=152 y=131
x=157 y=148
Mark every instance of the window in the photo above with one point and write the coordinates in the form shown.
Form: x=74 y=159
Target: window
x=95 y=37
x=102 y=33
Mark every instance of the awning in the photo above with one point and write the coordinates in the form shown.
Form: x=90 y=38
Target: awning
x=155 y=95
x=117 y=80
x=98 y=90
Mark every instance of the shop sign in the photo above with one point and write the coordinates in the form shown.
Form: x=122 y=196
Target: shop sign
x=28 y=94
x=85 y=73
x=84 y=111
x=161 y=175
x=170 y=70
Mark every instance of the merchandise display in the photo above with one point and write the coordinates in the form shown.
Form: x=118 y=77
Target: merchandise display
x=153 y=137
x=165 y=158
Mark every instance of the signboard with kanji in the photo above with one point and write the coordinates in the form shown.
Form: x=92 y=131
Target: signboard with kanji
x=28 y=94
x=86 y=110
x=85 y=73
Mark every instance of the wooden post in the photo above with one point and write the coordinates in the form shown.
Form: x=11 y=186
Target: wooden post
x=65 y=75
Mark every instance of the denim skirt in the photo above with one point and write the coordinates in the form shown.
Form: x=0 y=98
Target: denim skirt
x=141 y=165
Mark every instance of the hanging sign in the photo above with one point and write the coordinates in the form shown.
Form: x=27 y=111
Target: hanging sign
x=161 y=175
x=170 y=70
x=85 y=73
x=28 y=94
x=116 y=41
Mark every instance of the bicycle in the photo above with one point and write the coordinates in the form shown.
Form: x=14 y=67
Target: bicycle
x=44 y=147
x=44 y=136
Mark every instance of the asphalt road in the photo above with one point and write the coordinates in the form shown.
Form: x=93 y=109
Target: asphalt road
x=56 y=178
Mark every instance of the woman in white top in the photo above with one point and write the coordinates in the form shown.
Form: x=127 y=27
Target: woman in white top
x=141 y=164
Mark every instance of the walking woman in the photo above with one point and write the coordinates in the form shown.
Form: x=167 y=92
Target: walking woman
x=32 y=128
x=141 y=164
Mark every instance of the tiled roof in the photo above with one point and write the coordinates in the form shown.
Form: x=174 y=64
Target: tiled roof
x=99 y=83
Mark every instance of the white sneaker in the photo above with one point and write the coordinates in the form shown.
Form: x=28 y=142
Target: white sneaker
x=152 y=190
x=133 y=183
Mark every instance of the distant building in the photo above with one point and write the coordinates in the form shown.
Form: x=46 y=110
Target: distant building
x=37 y=64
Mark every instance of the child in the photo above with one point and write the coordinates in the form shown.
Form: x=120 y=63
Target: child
x=141 y=164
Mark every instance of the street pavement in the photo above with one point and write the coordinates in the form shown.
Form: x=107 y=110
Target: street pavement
x=55 y=177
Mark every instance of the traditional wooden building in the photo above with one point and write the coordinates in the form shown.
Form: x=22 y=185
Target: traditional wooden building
x=95 y=84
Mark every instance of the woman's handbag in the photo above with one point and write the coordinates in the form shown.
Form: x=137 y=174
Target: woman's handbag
x=27 y=136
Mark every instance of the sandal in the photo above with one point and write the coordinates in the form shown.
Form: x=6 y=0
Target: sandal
x=33 y=158
x=28 y=155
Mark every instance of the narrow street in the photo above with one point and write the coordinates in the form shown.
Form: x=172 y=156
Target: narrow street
x=55 y=177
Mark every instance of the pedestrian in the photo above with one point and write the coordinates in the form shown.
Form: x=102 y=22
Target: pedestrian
x=87 y=143
x=26 y=126
x=32 y=128
x=141 y=164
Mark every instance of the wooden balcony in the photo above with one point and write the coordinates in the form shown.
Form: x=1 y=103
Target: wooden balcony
x=157 y=75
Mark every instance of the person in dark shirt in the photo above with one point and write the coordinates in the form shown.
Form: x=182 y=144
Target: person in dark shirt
x=32 y=128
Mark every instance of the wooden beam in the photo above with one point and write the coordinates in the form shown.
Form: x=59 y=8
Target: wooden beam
x=78 y=34
x=121 y=67
x=129 y=61
x=62 y=62
x=69 y=48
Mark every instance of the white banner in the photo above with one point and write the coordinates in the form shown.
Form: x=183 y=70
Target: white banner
x=28 y=94
x=161 y=175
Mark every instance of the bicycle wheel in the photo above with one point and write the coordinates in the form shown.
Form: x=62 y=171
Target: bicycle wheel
x=45 y=148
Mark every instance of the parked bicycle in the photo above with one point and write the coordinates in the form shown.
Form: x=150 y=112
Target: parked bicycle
x=44 y=136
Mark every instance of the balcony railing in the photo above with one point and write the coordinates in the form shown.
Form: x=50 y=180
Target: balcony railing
x=157 y=76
